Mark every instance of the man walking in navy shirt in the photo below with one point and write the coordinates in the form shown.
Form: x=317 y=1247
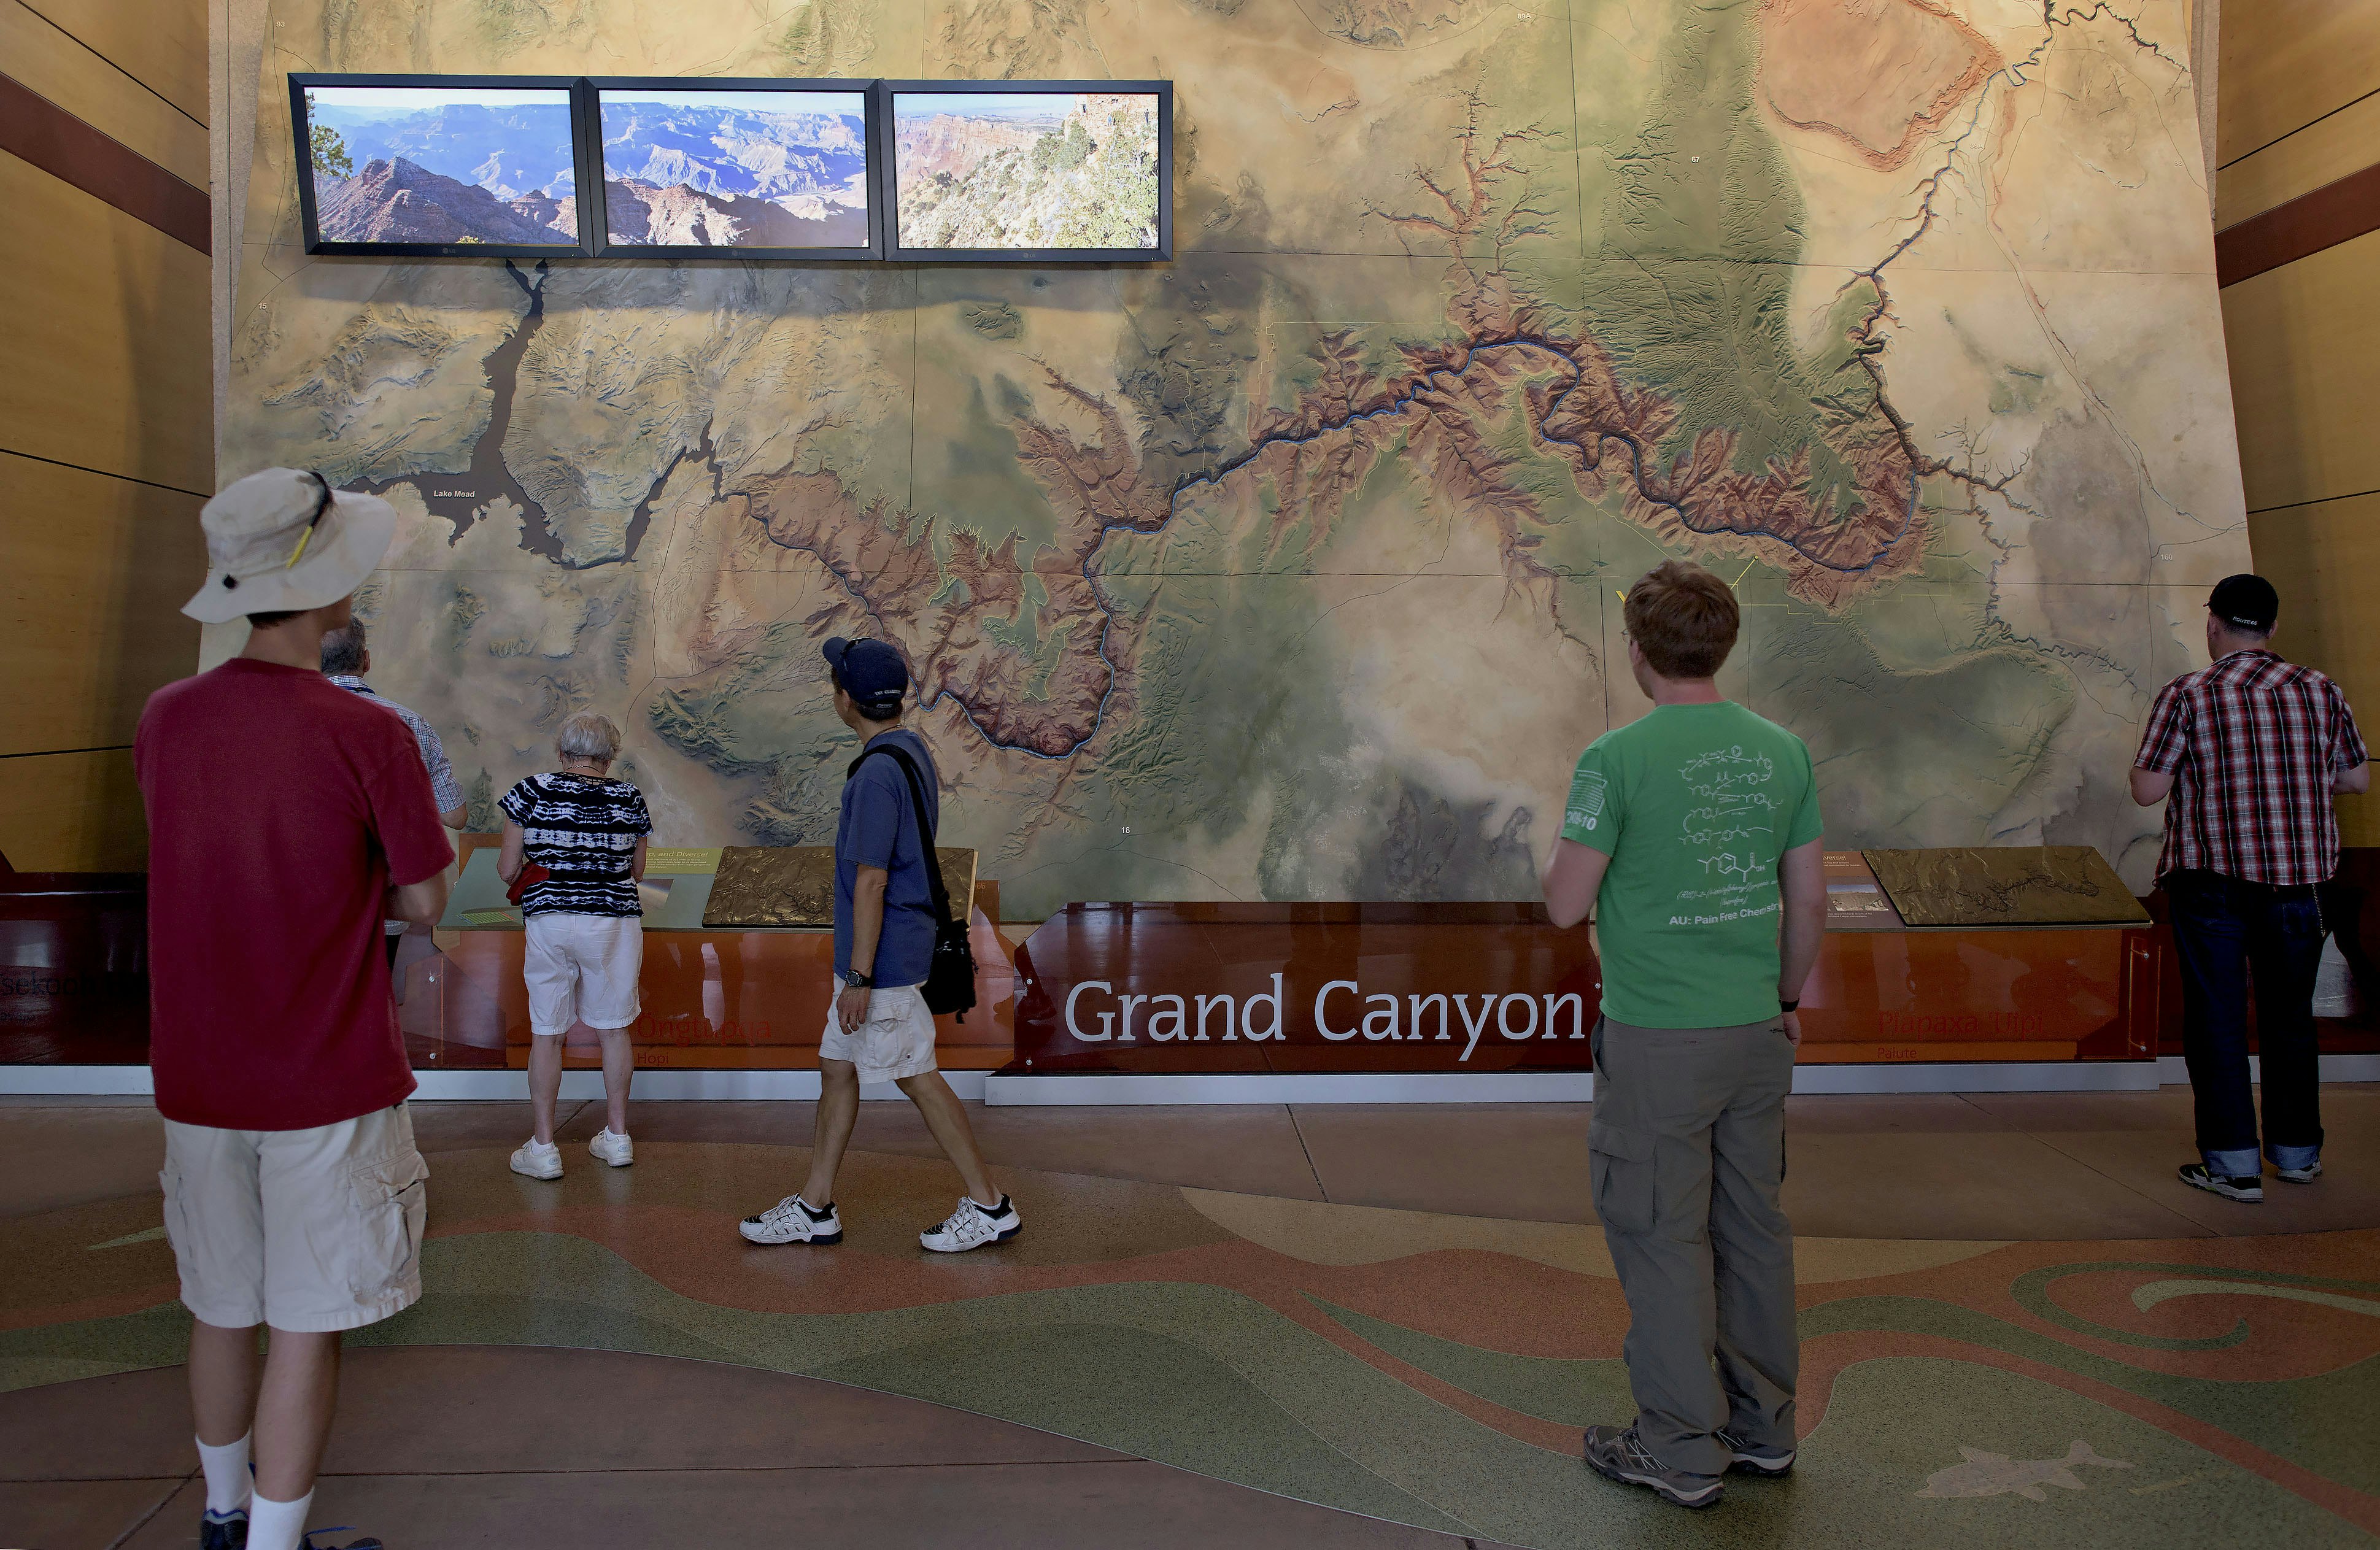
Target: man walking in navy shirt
x=879 y=1028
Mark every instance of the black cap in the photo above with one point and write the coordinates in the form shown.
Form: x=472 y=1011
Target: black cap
x=871 y=673
x=2245 y=602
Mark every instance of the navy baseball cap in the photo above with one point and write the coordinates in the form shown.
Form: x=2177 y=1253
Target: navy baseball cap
x=2246 y=602
x=871 y=673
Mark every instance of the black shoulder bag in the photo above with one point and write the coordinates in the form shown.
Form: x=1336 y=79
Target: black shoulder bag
x=950 y=981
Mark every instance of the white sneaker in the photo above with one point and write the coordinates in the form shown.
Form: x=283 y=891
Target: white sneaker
x=537 y=1159
x=611 y=1146
x=793 y=1220
x=973 y=1227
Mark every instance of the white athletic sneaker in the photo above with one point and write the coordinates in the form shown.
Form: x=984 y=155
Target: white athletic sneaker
x=793 y=1220
x=538 y=1161
x=611 y=1146
x=973 y=1227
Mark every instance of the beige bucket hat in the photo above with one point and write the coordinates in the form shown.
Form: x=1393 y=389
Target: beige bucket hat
x=282 y=541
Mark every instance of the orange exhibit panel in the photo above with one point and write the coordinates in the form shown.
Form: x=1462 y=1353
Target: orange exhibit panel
x=1455 y=988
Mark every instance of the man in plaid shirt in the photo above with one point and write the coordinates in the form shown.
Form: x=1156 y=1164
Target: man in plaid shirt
x=2250 y=749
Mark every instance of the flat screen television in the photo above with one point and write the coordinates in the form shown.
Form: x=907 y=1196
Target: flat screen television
x=769 y=169
x=1028 y=172
x=443 y=165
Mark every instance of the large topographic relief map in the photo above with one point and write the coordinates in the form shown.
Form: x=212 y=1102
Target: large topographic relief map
x=1289 y=569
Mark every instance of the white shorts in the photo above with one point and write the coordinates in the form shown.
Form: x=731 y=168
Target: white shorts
x=896 y=1041
x=307 y=1230
x=583 y=967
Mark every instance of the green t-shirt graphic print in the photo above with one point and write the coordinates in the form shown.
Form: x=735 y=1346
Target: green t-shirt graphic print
x=1693 y=803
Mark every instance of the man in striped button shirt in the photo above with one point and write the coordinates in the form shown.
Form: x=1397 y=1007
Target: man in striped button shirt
x=2250 y=749
x=345 y=659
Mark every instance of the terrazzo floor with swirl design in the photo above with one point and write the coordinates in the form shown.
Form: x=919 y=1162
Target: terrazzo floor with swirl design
x=1219 y=1351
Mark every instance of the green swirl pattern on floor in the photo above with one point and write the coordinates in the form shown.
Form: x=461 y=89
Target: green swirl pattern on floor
x=1424 y=1369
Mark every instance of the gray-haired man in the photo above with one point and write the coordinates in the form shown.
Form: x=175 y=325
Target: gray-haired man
x=345 y=659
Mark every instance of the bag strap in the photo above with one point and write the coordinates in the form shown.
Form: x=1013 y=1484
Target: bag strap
x=925 y=825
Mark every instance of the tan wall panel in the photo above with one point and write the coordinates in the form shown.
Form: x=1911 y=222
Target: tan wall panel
x=2285 y=63
x=2304 y=341
x=93 y=573
x=105 y=362
x=2349 y=141
x=54 y=66
x=2325 y=560
x=72 y=813
x=163 y=44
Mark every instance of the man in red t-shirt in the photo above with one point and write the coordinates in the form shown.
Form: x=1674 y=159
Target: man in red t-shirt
x=287 y=817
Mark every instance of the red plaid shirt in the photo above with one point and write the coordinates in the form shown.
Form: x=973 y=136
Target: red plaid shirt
x=2251 y=743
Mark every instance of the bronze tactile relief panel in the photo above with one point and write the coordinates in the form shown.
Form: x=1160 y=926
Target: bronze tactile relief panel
x=2011 y=885
x=794 y=885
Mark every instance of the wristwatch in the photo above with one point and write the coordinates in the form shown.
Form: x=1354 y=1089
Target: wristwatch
x=1784 y=1005
x=856 y=980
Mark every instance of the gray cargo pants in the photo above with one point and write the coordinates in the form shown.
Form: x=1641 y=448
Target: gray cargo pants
x=1687 y=1156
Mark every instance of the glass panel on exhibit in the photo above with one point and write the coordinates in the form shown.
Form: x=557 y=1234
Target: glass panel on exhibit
x=742 y=168
x=456 y=166
x=1055 y=172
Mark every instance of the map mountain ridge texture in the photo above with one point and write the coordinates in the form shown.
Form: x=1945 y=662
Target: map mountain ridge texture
x=1291 y=569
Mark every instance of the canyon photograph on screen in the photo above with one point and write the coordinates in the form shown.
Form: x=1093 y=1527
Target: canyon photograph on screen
x=736 y=169
x=1291 y=569
x=442 y=164
x=1056 y=170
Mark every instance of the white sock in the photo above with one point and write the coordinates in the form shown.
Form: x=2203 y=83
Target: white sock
x=277 y=1525
x=228 y=1481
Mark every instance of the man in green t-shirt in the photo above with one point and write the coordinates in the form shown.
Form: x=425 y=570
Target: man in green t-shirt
x=1693 y=834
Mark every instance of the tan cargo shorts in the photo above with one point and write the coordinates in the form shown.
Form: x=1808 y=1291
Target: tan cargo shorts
x=895 y=1044
x=310 y=1231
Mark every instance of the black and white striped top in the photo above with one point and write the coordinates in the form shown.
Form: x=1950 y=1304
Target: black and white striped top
x=584 y=830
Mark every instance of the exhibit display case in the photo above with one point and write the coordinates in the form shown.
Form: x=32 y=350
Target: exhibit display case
x=1324 y=986
x=1481 y=987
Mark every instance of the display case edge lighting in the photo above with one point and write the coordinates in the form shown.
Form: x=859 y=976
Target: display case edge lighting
x=601 y=246
x=315 y=247
x=888 y=170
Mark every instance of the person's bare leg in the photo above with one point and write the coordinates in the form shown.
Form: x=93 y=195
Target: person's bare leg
x=838 y=1111
x=544 y=1082
x=293 y=1411
x=946 y=1118
x=619 y=1068
x=225 y=1368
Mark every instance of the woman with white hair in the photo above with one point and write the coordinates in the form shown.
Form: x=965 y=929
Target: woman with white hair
x=580 y=836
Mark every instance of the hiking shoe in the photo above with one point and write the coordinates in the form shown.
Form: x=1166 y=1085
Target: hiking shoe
x=1620 y=1456
x=226 y=1532
x=2305 y=1175
x=793 y=1220
x=537 y=1159
x=973 y=1227
x=1748 y=1460
x=611 y=1146
x=2246 y=1191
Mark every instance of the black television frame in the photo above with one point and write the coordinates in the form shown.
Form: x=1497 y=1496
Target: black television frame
x=888 y=171
x=599 y=239
x=570 y=86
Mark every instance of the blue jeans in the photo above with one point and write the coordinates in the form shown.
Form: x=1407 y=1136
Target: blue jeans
x=2223 y=928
